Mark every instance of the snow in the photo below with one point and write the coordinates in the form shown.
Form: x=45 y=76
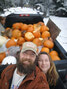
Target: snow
x=20 y=10
x=58 y=0
x=61 y=8
x=61 y=22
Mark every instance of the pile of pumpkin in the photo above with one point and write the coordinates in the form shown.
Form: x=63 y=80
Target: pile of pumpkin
x=37 y=33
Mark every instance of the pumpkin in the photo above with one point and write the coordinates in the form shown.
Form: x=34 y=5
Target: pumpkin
x=45 y=34
x=44 y=28
x=40 y=23
x=21 y=24
x=12 y=38
x=30 y=28
x=24 y=27
x=30 y=25
x=38 y=41
x=50 y=39
x=29 y=36
x=49 y=44
x=55 y=58
x=20 y=41
x=53 y=52
x=16 y=26
x=2 y=56
x=16 y=33
x=10 y=43
x=36 y=34
x=45 y=49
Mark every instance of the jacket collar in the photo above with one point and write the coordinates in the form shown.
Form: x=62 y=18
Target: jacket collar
x=10 y=71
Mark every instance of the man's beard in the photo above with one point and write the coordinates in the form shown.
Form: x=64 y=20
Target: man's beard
x=24 y=68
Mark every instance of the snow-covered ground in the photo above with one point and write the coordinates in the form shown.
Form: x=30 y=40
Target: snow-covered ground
x=61 y=22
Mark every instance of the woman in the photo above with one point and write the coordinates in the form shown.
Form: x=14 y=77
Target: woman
x=48 y=67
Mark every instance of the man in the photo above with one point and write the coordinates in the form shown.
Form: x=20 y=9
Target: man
x=24 y=75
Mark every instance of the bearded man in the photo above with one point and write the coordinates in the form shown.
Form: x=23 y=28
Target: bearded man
x=25 y=74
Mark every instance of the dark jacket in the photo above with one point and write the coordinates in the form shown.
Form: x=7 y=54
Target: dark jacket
x=59 y=85
x=35 y=80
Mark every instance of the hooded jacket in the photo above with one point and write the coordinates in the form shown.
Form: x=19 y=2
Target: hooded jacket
x=35 y=80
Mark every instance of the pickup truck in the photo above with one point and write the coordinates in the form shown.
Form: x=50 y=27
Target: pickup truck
x=34 y=18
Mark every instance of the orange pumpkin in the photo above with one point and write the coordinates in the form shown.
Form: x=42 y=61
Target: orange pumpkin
x=30 y=25
x=53 y=52
x=2 y=56
x=55 y=58
x=45 y=49
x=50 y=39
x=20 y=41
x=29 y=36
x=38 y=41
x=12 y=38
x=16 y=26
x=40 y=23
x=21 y=24
x=30 y=28
x=10 y=43
x=44 y=28
x=45 y=34
x=36 y=34
x=48 y=44
x=16 y=33
x=24 y=27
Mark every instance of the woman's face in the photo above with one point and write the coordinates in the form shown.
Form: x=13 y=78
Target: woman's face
x=44 y=63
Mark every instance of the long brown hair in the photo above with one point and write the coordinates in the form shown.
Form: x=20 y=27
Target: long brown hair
x=52 y=74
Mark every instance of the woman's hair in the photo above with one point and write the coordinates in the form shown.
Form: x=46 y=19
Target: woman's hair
x=52 y=74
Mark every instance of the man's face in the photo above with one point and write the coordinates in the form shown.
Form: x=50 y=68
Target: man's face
x=27 y=57
x=26 y=62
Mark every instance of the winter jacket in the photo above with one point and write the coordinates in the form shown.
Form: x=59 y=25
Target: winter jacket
x=59 y=85
x=35 y=80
